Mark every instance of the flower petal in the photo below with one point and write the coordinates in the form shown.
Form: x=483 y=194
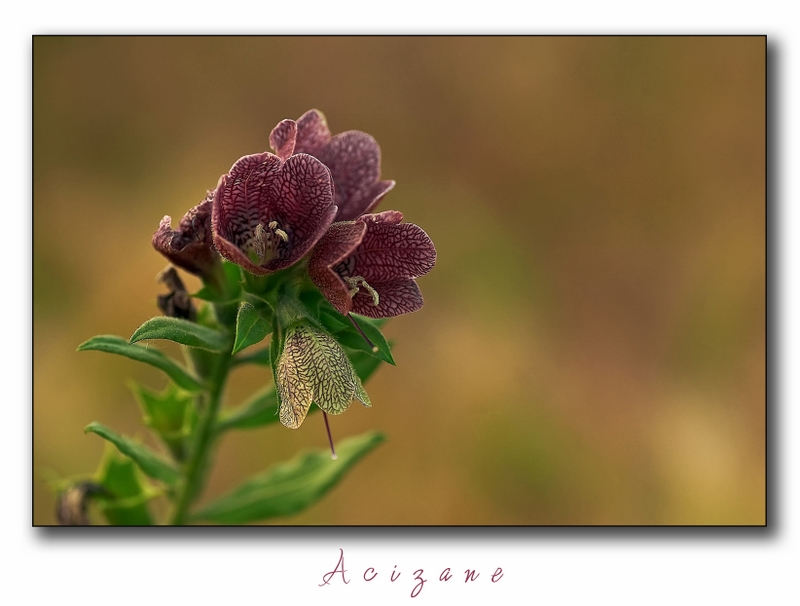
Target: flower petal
x=396 y=298
x=304 y=203
x=312 y=133
x=282 y=138
x=391 y=251
x=387 y=216
x=339 y=241
x=243 y=198
x=378 y=191
x=190 y=246
x=354 y=159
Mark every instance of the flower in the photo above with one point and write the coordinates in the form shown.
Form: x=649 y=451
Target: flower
x=368 y=266
x=190 y=247
x=268 y=213
x=313 y=367
x=353 y=157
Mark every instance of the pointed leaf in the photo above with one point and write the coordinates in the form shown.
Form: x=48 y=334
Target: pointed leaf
x=123 y=501
x=260 y=410
x=260 y=357
x=365 y=364
x=206 y=294
x=119 y=346
x=233 y=276
x=183 y=332
x=289 y=487
x=165 y=410
x=313 y=301
x=148 y=461
x=353 y=339
x=251 y=327
x=334 y=321
x=167 y=414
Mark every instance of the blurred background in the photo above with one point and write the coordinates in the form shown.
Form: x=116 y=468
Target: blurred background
x=592 y=346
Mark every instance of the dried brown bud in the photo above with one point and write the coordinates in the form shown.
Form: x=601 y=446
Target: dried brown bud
x=177 y=303
x=71 y=504
x=191 y=247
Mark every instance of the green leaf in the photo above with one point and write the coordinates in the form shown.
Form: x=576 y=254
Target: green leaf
x=365 y=364
x=260 y=357
x=167 y=414
x=206 y=294
x=257 y=285
x=275 y=351
x=289 y=487
x=183 y=332
x=313 y=300
x=251 y=327
x=261 y=409
x=334 y=321
x=148 y=461
x=164 y=411
x=124 y=501
x=353 y=339
x=119 y=346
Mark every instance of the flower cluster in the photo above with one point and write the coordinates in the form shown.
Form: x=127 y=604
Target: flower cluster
x=307 y=208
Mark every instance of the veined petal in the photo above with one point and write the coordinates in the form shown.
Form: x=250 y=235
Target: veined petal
x=391 y=251
x=354 y=159
x=339 y=241
x=282 y=138
x=244 y=198
x=387 y=216
x=396 y=298
x=312 y=133
x=304 y=203
x=376 y=194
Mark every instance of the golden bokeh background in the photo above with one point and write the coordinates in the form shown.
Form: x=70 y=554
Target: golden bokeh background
x=592 y=346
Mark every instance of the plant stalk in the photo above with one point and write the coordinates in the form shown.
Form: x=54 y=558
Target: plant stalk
x=201 y=446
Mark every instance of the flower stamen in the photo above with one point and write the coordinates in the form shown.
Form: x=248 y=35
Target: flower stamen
x=354 y=281
x=264 y=246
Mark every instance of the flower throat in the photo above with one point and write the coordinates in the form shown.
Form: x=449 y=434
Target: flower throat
x=266 y=244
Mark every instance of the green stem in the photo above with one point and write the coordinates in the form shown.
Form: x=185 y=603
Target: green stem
x=203 y=438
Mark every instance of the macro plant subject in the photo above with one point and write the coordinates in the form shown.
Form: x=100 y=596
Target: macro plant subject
x=299 y=274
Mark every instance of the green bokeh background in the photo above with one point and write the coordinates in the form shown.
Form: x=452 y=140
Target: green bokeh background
x=592 y=346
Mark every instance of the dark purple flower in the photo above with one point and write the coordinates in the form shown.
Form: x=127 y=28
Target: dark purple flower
x=368 y=266
x=353 y=157
x=190 y=247
x=268 y=213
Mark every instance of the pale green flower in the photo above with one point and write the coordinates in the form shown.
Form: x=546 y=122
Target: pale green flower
x=313 y=367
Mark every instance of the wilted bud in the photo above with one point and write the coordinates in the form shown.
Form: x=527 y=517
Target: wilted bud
x=71 y=504
x=314 y=368
x=191 y=246
x=177 y=303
